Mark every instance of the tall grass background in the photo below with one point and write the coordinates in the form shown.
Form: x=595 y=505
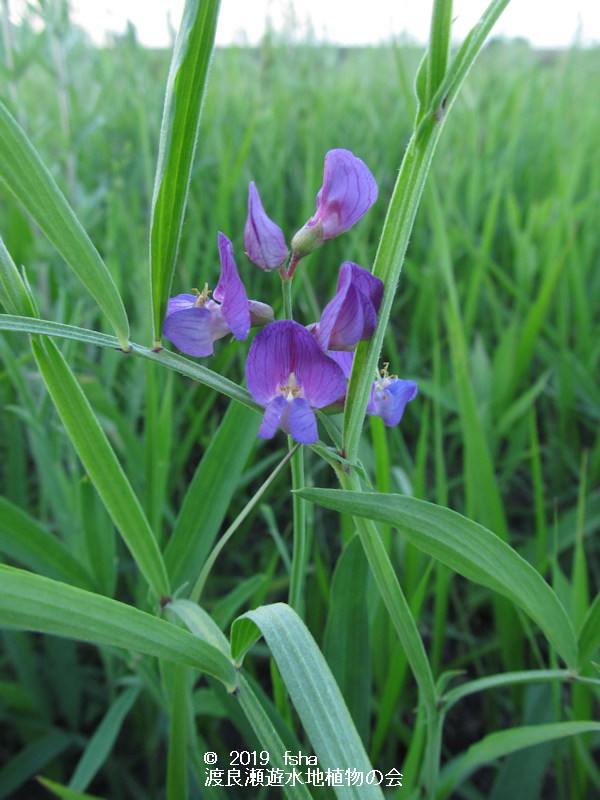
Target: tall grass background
x=497 y=318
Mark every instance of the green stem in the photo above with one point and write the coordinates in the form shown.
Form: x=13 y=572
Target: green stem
x=300 y=551
x=286 y=286
x=205 y=572
x=177 y=762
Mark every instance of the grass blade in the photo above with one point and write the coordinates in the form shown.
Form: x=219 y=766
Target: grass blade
x=401 y=215
x=268 y=737
x=23 y=539
x=439 y=43
x=39 y=604
x=102 y=742
x=15 y=297
x=347 y=639
x=315 y=694
x=501 y=743
x=589 y=637
x=23 y=172
x=467 y=548
x=178 y=136
x=64 y=792
x=184 y=366
x=30 y=760
x=217 y=477
x=100 y=461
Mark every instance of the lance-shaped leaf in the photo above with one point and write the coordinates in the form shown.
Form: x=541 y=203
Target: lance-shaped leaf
x=466 y=547
x=501 y=743
x=172 y=361
x=101 y=464
x=405 y=202
x=312 y=688
x=178 y=136
x=39 y=604
x=23 y=172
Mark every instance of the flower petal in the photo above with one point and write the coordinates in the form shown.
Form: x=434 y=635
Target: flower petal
x=342 y=321
x=345 y=358
x=274 y=411
x=282 y=348
x=351 y=315
x=349 y=190
x=302 y=422
x=180 y=302
x=390 y=401
x=366 y=283
x=191 y=330
x=260 y=313
x=264 y=240
x=230 y=292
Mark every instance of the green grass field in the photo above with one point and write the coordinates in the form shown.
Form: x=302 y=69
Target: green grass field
x=497 y=317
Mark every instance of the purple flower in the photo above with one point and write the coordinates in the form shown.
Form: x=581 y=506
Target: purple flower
x=264 y=240
x=348 y=191
x=194 y=322
x=289 y=374
x=345 y=359
x=351 y=315
x=389 y=396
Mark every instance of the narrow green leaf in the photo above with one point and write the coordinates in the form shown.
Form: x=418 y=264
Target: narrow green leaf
x=400 y=218
x=177 y=762
x=39 y=604
x=24 y=540
x=170 y=360
x=228 y=606
x=439 y=43
x=200 y=623
x=244 y=633
x=467 y=548
x=23 y=172
x=64 y=792
x=347 y=641
x=102 y=742
x=178 y=136
x=589 y=636
x=315 y=694
x=100 y=461
x=405 y=625
x=467 y=53
x=452 y=696
x=217 y=477
x=501 y=743
x=15 y=296
x=268 y=737
x=30 y=760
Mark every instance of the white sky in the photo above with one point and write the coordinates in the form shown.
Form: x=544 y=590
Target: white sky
x=546 y=23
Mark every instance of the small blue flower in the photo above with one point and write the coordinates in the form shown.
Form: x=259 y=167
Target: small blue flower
x=389 y=396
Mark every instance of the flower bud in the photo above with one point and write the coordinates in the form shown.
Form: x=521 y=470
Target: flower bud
x=307 y=240
x=348 y=192
x=264 y=240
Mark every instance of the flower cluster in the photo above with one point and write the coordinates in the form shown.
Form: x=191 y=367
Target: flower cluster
x=292 y=370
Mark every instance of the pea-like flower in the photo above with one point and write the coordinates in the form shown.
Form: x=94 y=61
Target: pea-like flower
x=348 y=192
x=389 y=396
x=289 y=374
x=194 y=322
x=389 y=393
x=351 y=315
x=263 y=238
